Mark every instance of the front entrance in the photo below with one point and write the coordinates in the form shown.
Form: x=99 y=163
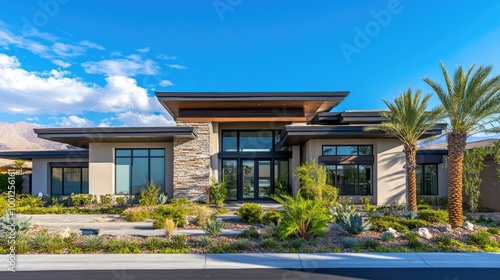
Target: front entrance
x=256 y=179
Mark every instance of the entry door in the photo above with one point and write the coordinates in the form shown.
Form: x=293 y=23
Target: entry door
x=256 y=179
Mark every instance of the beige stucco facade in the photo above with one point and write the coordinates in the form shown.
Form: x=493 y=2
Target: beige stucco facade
x=41 y=173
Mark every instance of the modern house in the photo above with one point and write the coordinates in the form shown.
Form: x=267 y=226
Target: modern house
x=251 y=140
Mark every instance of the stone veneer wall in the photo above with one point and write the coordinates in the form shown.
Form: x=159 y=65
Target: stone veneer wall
x=192 y=162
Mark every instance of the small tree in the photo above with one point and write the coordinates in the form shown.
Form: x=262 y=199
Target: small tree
x=473 y=164
x=312 y=179
x=19 y=164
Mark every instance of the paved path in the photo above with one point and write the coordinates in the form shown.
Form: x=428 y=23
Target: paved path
x=243 y=261
x=111 y=225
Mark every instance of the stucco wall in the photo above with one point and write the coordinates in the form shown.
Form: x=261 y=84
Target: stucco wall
x=102 y=165
x=389 y=178
x=41 y=173
x=490 y=188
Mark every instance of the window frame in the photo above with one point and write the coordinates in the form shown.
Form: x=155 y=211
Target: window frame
x=335 y=148
x=356 y=179
x=131 y=157
x=424 y=177
x=274 y=134
x=63 y=166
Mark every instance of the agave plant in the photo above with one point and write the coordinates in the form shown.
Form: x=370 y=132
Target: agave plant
x=409 y=215
x=354 y=224
x=341 y=212
x=10 y=221
x=162 y=198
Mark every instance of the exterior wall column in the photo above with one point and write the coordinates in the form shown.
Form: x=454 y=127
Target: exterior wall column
x=192 y=162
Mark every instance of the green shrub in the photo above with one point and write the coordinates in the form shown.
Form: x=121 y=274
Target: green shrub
x=27 y=200
x=105 y=200
x=269 y=244
x=241 y=244
x=365 y=200
x=482 y=239
x=434 y=216
x=178 y=214
x=250 y=213
x=371 y=244
x=81 y=199
x=149 y=195
x=214 y=227
x=302 y=217
x=387 y=235
x=204 y=241
x=153 y=243
x=423 y=207
x=93 y=243
x=178 y=241
x=349 y=242
x=40 y=241
x=204 y=215
x=218 y=193
x=271 y=217
x=413 y=241
x=353 y=224
x=121 y=201
x=411 y=224
x=270 y=230
x=493 y=230
x=134 y=215
x=313 y=186
x=383 y=223
x=297 y=243
x=329 y=195
x=250 y=233
x=4 y=204
x=118 y=246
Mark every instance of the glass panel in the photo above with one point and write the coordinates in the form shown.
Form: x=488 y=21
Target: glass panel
x=229 y=141
x=123 y=153
x=365 y=150
x=277 y=144
x=329 y=151
x=364 y=185
x=56 y=182
x=330 y=174
x=85 y=180
x=431 y=179
x=123 y=166
x=347 y=150
x=139 y=174
x=140 y=153
x=157 y=152
x=281 y=177
x=230 y=177
x=248 y=178
x=420 y=171
x=348 y=179
x=72 y=180
x=157 y=172
x=264 y=178
x=256 y=141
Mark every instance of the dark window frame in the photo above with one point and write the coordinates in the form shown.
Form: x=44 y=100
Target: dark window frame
x=274 y=134
x=424 y=177
x=336 y=153
x=357 y=178
x=63 y=166
x=131 y=157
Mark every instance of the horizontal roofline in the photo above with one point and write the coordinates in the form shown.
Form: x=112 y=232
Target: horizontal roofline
x=30 y=155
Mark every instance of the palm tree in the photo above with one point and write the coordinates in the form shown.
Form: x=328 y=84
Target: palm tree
x=408 y=120
x=470 y=101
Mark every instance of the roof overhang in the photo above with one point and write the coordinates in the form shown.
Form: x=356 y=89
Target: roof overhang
x=298 y=135
x=30 y=155
x=248 y=106
x=348 y=117
x=81 y=137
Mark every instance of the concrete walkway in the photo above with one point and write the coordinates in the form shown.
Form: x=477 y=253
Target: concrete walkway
x=240 y=261
x=112 y=225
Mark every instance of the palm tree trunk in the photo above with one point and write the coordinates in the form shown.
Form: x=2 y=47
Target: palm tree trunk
x=411 y=176
x=456 y=148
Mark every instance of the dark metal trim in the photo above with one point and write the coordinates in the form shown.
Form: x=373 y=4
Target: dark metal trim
x=363 y=160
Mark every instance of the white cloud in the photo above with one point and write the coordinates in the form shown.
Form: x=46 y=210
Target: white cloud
x=122 y=93
x=61 y=63
x=177 y=66
x=34 y=119
x=131 y=66
x=68 y=50
x=74 y=121
x=139 y=119
x=166 y=57
x=144 y=50
x=91 y=45
x=166 y=83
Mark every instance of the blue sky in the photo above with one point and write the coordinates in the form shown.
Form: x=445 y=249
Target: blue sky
x=90 y=63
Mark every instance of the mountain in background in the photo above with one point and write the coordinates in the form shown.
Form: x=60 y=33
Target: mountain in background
x=21 y=137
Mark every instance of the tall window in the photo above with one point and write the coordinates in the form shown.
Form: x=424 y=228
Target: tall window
x=135 y=168
x=68 y=180
x=352 y=179
x=427 y=181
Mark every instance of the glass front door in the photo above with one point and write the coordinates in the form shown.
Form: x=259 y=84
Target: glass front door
x=256 y=179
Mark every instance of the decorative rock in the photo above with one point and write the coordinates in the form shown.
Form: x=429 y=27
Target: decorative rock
x=424 y=233
x=394 y=232
x=445 y=228
x=65 y=233
x=468 y=226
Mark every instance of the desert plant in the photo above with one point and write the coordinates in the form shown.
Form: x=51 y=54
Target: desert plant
x=349 y=242
x=302 y=217
x=270 y=230
x=169 y=226
x=153 y=243
x=149 y=195
x=9 y=220
x=493 y=230
x=353 y=224
x=241 y=244
x=162 y=198
x=434 y=216
x=218 y=193
x=118 y=246
x=93 y=243
x=204 y=241
x=40 y=240
x=365 y=200
x=342 y=211
x=121 y=201
x=482 y=239
x=214 y=227
x=387 y=235
x=371 y=244
x=250 y=233
x=269 y=243
x=413 y=241
x=105 y=200
x=178 y=241
x=250 y=213
x=136 y=215
x=178 y=214
x=204 y=214
x=471 y=102
x=410 y=215
x=271 y=217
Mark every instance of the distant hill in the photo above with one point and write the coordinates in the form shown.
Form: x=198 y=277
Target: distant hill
x=20 y=137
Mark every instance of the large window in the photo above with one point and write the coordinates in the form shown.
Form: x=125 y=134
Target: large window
x=68 y=180
x=427 y=180
x=251 y=141
x=352 y=179
x=230 y=177
x=135 y=168
x=346 y=150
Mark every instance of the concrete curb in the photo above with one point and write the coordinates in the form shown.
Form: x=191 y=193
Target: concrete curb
x=239 y=261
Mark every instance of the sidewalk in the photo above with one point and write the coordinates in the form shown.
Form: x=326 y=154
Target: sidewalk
x=240 y=261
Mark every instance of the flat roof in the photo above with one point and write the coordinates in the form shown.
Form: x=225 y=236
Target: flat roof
x=30 y=155
x=82 y=136
x=248 y=106
x=349 y=117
